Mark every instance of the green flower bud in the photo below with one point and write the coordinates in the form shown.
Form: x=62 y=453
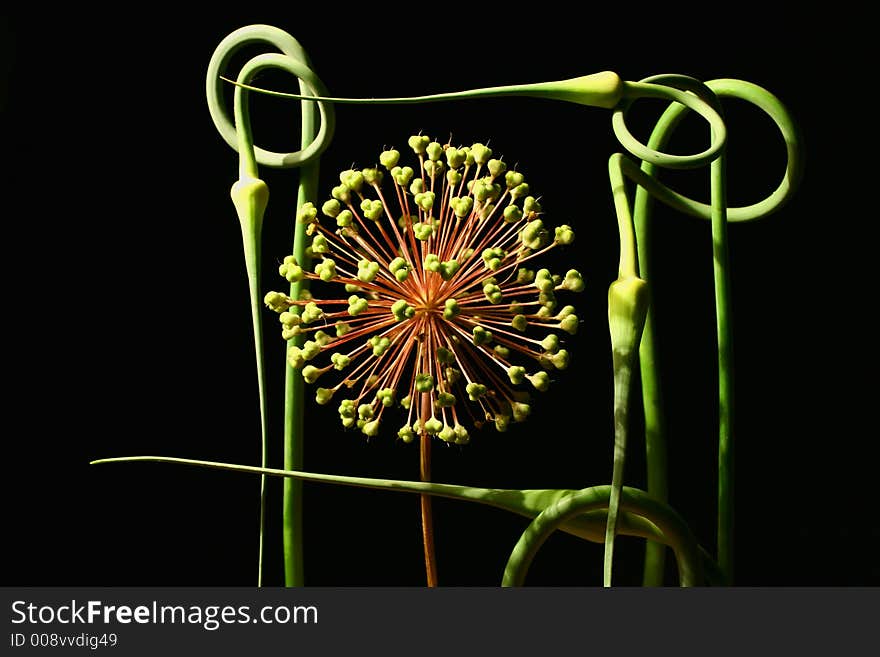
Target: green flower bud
x=341 y=193
x=389 y=158
x=453 y=178
x=405 y=402
x=340 y=361
x=289 y=319
x=373 y=176
x=322 y=338
x=452 y=375
x=445 y=356
x=326 y=269
x=560 y=359
x=501 y=351
x=569 y=324
x=547 y=300
x=461 y=435
x=519 y=191
x=310 y=349
x=565 y=312
x=371 y=429
x=402 y=310
x=295 y=357
x=356 y=305
x=450 y=309
x=543 y=280
x=277 y=301
x=475 y=391
x=290 y=270
x=550 y=343
x=351 y=288
x=512 y=214
x=493 y=293
x=564 y=234
x=311 y=373
x=419 y=143
x=379 y=344
x=432 y=262
x=417 y=186
x=367 y=270
x=519 y=322
x=434 y=150
x=347 y=412
x=540 y=380
x=481 y=336
x=365 y=411
x=372 y=209
x=341 y=329
x=447 y=435
x=534 y=235
x=424 y=382
x=544 y=312
x=573 y=281
x=516 y=374
x=385 y=396
x=311 y=313
x=324 y=395
x=462 y=206
x=445 y=399
x=448 y=269
x=423 y=231
x=354 y=180
x=434 y=169
x=513 y=179
x=320 y=245
x=399 y=269
x=531 y=206
x=307 y=213
x=344 y=219
x=502 y=422
x=425 y=200
x=406 y=434
x=455 y=157
x=480 y=153
x=520 y=411
x=331 y=208
x=496 y=167
x=402 y=176
x=433 y=426
x=493 y=258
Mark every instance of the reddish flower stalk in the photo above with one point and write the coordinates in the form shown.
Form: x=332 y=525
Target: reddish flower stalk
x=442 y=313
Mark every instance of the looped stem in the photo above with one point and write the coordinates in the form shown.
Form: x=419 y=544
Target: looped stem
x=295 y=62
x=675 y=531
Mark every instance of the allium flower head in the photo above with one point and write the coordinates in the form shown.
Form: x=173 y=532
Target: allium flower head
x=446 y=311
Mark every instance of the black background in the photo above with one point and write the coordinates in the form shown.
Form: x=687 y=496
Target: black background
x=128 y=329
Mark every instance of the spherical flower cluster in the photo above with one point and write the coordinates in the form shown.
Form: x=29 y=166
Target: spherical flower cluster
x=446 y=311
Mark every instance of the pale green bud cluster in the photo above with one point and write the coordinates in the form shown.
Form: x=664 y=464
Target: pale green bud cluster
x=402 y=310
x=277 y=301
x=326 y=269
x=379 y=344
x=367 y=270
x=399 y=269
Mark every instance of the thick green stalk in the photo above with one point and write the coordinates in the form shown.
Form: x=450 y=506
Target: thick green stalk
x=652 y=394
x=294 y=398
x=723 y=314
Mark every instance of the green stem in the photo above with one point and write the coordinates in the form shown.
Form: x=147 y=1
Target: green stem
x=652 y=394
x=674 y=531
x=641 y=516
x=719 y=216
x=294 y=61
x=723 y=314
